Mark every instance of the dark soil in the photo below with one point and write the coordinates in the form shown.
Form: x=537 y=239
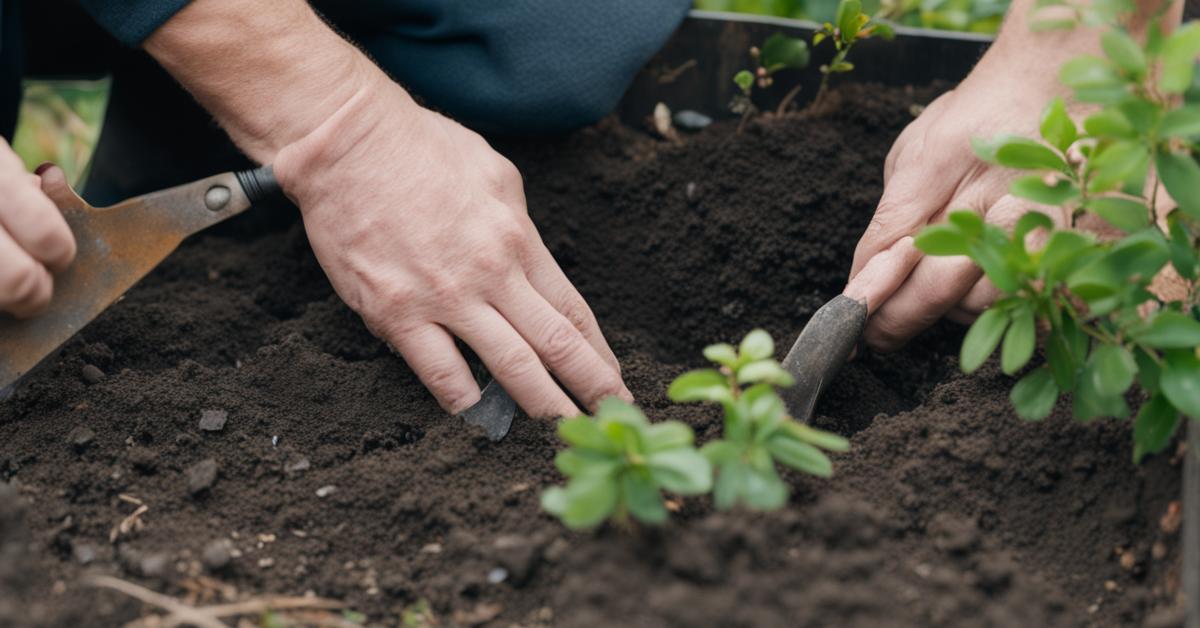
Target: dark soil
x=948 y=511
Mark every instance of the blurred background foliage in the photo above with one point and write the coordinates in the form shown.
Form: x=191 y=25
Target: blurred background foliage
x=60 y=122
x=977 y=16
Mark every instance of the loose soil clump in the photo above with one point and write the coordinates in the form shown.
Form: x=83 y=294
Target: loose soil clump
x=334 y=472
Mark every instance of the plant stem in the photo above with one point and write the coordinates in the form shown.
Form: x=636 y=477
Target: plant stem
x=787 y=100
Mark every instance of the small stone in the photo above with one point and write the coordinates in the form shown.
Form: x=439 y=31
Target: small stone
x=691 y=191
x=691 y=120
x=432 y=548
x=1173 y=518
x=143 y=459
x=518 y=555
x=155 y=565
x=1128 y=561
x=662 y=120
x=213 y=420
x=497 y=575
x=301 y=464
x=81 y=437
x=84 y=553
x=326 y=491
x=201 y=476
x=216 y=555
x=1158 y=550
x=266 y=563
x=92 y=374
x=1111 y=586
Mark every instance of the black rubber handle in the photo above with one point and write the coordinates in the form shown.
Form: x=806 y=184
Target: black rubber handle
x=822 y=348
x=259 y=184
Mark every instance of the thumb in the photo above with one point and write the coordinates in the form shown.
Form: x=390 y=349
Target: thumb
x=883 y=274
x=56 y=188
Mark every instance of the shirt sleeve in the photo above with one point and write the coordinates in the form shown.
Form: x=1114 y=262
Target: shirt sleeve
x=132 y=21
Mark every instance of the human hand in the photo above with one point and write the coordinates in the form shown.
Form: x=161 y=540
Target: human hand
x=34 y=239
x=422 y=229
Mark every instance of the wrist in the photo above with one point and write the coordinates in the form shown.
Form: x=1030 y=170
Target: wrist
x=269 y=78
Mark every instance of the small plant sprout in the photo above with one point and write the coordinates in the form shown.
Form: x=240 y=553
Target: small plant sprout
x=1107 y=328
x=619 y=464
x=850 y=26
x=758 y=431
x=778 y=52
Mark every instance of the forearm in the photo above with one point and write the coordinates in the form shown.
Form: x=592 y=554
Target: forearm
x=270 y=77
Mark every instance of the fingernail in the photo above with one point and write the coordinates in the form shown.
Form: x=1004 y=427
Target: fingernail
x=43 y=168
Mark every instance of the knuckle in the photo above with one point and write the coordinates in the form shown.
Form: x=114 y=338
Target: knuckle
x=560 y=342
x=52 y=243
x=577 y=312
x=515 y=362
x=22 y=283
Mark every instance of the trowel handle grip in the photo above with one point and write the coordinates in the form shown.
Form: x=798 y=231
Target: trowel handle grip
x=259 y=184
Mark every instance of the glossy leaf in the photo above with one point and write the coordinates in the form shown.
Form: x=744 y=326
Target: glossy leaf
x=757 y=345
x=800 y=456
x=588 y=501
x=1034 y=395
x=1057 y=127
x=1109 y=124
x=1181 y=176
x=723 y=354
x=641 y=496
x=1124 y=52
x=1113 y=369
x=983 y=337
x=682 y=471
x=1178 y=58
x=700 y=385
x=1019 y=342
x=1026 y=154
x=1155 y=425
x=1180 y=381
x=1171 y=330
x=1183 y=253
x=1181 y=122
x=1122 y=213
x=780 y=51
x=767 y=371
x=942 y=240
x=813 y=436
x=1032 y=187
x=668 y=435
x=744 y=80
x=583 y=432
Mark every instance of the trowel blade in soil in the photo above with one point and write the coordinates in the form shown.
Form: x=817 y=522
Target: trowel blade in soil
x=820 y=351
x=493 y=412
x=117 y=246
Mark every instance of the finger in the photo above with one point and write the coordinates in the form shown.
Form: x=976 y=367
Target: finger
x=935 y=286
x=982 y=295
x=548 y=279
x=514 y=364
x=430 y=352
x=918 y=190
x=36 y=224
x=883 y=274
x=561 y=347
x=25 y=285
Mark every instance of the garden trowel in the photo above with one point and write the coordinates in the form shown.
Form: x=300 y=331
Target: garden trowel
x=824 y=345
x=119 y=245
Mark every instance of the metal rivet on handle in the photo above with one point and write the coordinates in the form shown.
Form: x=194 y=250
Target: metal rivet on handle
x=217 y=197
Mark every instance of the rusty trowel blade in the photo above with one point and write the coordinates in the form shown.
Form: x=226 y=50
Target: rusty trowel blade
x=822 y=348
x=117 y=246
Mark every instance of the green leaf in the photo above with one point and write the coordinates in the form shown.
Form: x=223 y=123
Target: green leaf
x=723 y=354
x=763 y=490
x=780 y=51
x=720 y=452
x=883 y=30
x=1089 y=72
x=1116 y=164
x=1182 y=122
x=584 y=433
x=620 y=411
x=682 y=471
x=554 y=500
x=1062 y=249
x=1065 y=350
x=1027 y=223
x=1113 y=369
x=982 y=338
x=588 y=501
x=942 y=240
x=967 y=221
x=1155 y=425
x=1149 y=371
x=1179 y=58
x=1124 y=214
x=573 y=462
x=668 y=435
x=813 y=436
x=1183 y=254
x=1057 y=127
x=767 y=371
x=847 y=19
x=1109 y=124
x=1088 y=403
x=1026 y=154
x=1181 y=176
x=640 y=495
x=1019 y=342
x=744 y=80
x=1124 y=52
x=757 y=345
x=1170 y=330
x=800 y=456
x=991 y=253
x=700 y=385
x=1137 y=257
x=1034 y=395
x=730 y=484
x=1180 y=381
x=1032 y=187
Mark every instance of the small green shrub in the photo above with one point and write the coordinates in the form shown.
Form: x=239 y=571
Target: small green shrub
x=849 y=27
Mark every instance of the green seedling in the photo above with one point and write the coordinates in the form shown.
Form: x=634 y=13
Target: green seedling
x=1107 y=330
x=778 y=52
x=758 y=430
x=849 y=27
x=619 y=464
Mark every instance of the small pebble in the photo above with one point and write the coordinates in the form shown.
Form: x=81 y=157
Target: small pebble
x=92 y=374
x=1128 y=561
x=326 y=491
x=84 y=553
x=266 y=562
x=216 y=554
x=691 y=120
x=1158 y=550
x=201 y=476
x=1111 y=586
x=497 y=575
x=432 y=548
x=299 y=465
x=81 y=437
x=155 y=565
x=213 y=420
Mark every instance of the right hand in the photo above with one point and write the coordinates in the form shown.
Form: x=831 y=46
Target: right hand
x=34 y=239
x=422 y=229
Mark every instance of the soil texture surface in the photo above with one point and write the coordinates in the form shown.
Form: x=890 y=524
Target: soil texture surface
x=274 y=447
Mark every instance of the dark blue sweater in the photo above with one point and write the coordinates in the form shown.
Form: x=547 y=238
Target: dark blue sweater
x=508 y=65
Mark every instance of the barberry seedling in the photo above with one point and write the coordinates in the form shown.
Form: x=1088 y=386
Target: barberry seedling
x=778 y=52
x=1107 y=329
x=758 y=430
x=619 y=464
x=850 y=26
